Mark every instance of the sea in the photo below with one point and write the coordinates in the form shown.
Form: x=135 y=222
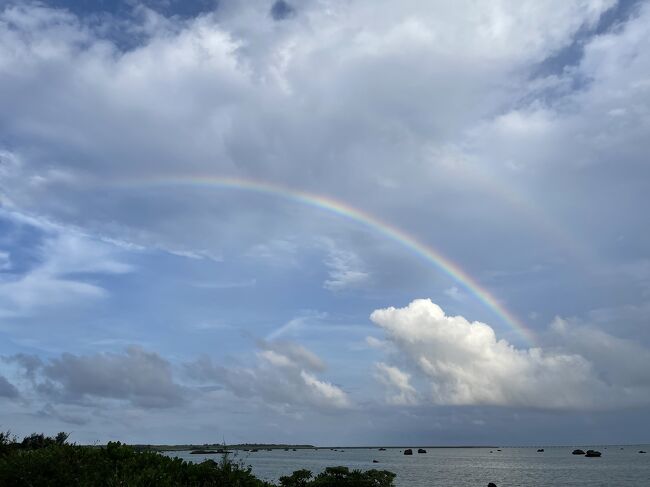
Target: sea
x=462 y=467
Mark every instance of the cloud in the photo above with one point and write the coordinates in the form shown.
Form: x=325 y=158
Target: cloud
x=327 y=394
x=438 y=117
x=34 y=291
x=63 y=262
x=237 y=90
x=28 y=364
x=464 y=363
x=280 y=252
x=78 y=418
x=295 y=354
x=455 y=293
x=281 y=10
x=143 y=379
x=283 y=376
x=240 y=97
x=308 y=319
x=616 y=360
x=7 y=389
x=345 y=270
x=5 y=261
x=244 y=283
x=398 y=382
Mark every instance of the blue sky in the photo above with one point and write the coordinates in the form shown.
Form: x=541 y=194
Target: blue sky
x=510 y=137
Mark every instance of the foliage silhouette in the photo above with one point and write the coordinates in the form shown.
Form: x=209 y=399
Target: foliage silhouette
x=39 y=460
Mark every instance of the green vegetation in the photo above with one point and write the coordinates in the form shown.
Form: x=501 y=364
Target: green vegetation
x=339 y=477
x=40 y=460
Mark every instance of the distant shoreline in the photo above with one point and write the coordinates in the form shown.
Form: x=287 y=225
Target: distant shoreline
x=261 y=446
x=295 y=447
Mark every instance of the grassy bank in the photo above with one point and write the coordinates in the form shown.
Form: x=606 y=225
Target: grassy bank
x=39 y=460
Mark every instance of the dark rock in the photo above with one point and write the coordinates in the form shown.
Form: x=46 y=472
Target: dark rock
x=540 y=450
x=577 y=452
x=375 y=461
x=641 y=451
x=408 y=451
x=382 y=449
x=592 y=453
x=492 y=484
x=421 y=450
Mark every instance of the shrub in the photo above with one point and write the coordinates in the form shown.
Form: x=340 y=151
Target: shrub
x=45 y=461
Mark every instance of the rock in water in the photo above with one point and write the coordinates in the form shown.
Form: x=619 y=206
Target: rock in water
x=375 y=461
x=492 y=484
x=641 y=451
x=541 y=450
x=421 y=450
x=592 y=453
x=408 y=451
x=577 y=452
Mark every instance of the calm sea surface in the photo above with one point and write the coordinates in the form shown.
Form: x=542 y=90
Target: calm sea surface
x=464 y=467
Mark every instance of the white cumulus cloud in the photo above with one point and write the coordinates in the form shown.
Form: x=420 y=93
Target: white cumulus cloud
x=465 y=363
x=398 y=382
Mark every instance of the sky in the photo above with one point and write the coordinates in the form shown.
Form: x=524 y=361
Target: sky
x=335 y=222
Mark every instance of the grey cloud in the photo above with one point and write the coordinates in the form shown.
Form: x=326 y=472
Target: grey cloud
x=282 y=376
x=246 y=103
x=281 y=10
x=299 y=355
x=28 y=364
x=7 y=389
x=616 y=360
x=51 y=412
x=212 y=105
x=141 y=378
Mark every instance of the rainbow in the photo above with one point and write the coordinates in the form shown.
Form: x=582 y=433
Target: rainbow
x=357 y=215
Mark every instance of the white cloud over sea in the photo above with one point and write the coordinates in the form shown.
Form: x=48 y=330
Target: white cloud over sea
x=465 y=363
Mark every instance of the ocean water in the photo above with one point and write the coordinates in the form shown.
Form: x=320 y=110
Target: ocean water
x=464 y=467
